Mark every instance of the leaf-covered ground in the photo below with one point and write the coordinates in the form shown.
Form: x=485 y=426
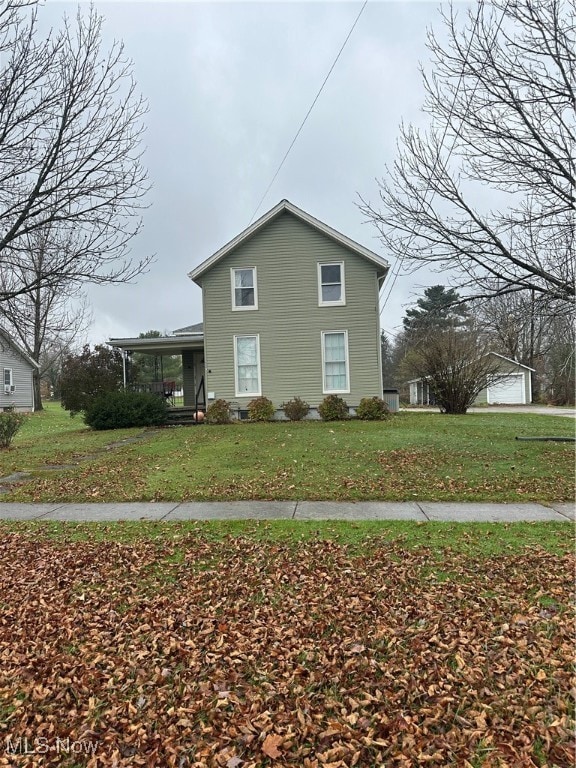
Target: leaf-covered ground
x=238 y=652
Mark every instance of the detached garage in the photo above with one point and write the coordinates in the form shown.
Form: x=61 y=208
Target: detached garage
x=514 y=388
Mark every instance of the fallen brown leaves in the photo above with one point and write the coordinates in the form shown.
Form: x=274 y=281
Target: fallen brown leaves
x=242 y=653
x=408 y=472
x=120 y=480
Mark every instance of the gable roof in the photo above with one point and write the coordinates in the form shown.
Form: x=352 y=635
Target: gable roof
x=11 y=343
x=284 y=206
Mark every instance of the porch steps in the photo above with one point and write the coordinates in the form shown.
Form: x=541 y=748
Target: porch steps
x=183 y=415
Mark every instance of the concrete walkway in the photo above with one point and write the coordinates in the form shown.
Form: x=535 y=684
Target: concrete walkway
x=292 y=510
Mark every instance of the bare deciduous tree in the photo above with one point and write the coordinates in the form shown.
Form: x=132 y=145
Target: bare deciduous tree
x=560 y=363
x=502 y=102
x=456 y=366
x=540 y=335
x=71 y=121
x=518 y=324
x=49 y=319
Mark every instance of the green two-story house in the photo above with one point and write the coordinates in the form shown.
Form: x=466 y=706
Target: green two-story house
x=291 y=308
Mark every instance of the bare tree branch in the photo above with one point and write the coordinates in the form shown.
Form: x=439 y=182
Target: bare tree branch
x=49 y=320
x=71 y=123
x=456 y=365
x=503 y=90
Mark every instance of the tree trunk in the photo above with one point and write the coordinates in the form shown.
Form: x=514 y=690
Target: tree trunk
x=37 y=393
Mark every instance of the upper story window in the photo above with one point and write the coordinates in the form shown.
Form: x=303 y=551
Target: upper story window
x=244 y=288
x=331 y=290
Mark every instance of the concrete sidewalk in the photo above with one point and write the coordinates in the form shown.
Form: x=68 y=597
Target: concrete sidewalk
x=292 y=510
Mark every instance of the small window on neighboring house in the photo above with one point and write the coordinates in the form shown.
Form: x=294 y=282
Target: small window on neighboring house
x=335 y=370
x=331 y=284
x=244 y=289
x=247 y=365
x=8 y=383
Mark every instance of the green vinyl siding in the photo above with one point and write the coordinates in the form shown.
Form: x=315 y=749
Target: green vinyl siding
x=482 y=397
x=288 y=321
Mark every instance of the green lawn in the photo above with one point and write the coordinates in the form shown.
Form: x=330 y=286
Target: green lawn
x=423 y=456
x=360 y=537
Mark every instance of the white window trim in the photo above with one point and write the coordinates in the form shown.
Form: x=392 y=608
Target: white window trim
x=342 y=300
x=236 y=389
x=11 y=385
x=233 y=271
x=326 y=391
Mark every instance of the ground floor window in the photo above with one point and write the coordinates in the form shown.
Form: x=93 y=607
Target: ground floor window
x=247 y=365
x=335 y=373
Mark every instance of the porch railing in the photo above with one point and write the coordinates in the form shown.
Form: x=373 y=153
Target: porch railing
x=197 y=400
x=169 y=389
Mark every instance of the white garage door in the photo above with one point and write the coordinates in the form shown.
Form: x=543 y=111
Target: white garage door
x=509 y=391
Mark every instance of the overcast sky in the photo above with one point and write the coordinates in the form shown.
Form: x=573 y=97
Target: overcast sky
x=228 y=84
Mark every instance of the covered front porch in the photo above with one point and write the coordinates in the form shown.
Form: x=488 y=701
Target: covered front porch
x=188 y=343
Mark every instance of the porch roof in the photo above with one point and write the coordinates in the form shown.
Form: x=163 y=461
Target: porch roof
x=161 y=345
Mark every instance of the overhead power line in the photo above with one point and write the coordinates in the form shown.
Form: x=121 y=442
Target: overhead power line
x=308 y=113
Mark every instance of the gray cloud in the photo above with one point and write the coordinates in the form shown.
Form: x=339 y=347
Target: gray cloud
x=228 y=85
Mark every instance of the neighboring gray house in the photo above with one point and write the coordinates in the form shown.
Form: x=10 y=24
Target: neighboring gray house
x=16 y=388
x=291 y=308
x=513 y=387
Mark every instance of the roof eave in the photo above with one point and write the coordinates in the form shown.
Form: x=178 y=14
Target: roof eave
x=22 y=352
x=161 y=344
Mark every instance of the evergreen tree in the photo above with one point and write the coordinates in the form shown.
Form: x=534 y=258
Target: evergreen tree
x=437 y=310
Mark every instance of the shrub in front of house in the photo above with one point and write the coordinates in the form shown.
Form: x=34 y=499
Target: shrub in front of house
x=333 y=408
x=296 y=409
x=373 y=409
x=261 y=409
x=120 y=410
x=219 y=412
x=10 y=423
